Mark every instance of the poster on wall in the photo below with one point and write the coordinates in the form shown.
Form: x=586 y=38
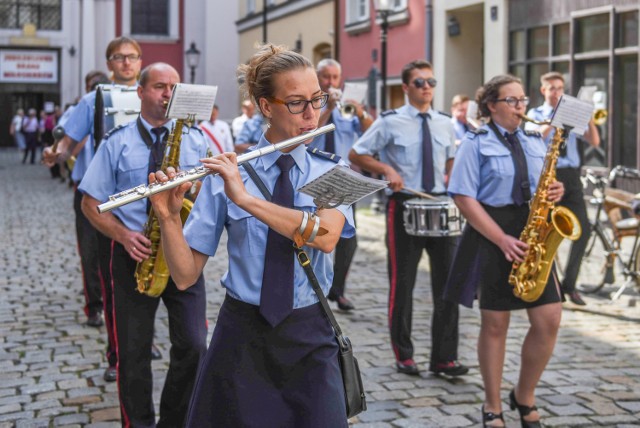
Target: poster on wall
x=28 y=66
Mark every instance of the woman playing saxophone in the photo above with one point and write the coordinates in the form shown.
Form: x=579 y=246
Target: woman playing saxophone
x=495 y=174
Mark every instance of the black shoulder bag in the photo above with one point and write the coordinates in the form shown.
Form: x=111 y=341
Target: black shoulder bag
x=352 y=380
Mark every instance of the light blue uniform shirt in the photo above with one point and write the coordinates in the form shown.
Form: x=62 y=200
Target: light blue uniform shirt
x=484 y=167
x=251 y=130
x=213 y=211
x=572 y=159
x=346 y=133
x=78 y=125
x=122 y=162
x=397 y=137
x=459 y=128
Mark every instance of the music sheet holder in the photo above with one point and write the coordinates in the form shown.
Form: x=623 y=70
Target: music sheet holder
x=191 y=101
x=572 y=115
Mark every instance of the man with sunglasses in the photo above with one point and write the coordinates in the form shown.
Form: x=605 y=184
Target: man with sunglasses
x=416 y=145
x=348 y=129
x=568 y=172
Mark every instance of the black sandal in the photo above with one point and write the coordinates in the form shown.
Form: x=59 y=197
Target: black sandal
x=490 y=417
x=524 y=411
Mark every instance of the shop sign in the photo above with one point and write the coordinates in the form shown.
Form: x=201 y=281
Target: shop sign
x=28 y=66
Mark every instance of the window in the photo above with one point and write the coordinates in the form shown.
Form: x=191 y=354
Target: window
x=592 y=33
x=532 y=87
x=251 y=7
x=538 y=42
x=150 y=17
x=517 y=47
x=398 y=5
x=44 y=14
x=357 y=10
x=627 y=25
x=561 y=39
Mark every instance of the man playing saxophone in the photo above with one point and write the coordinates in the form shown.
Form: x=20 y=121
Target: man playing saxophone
x=123 y=160
x=552 y=87
x=495 y=174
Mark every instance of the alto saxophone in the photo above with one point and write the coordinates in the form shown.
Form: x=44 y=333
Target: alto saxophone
x=546 y=227
x=152 y=274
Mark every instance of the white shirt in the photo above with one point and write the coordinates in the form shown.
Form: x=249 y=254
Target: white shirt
x=17 y=123
x=218 y=136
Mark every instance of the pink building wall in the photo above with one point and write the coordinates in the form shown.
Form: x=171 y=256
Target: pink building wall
x=405 y=42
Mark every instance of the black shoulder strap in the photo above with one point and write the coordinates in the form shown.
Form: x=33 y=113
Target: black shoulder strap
x=305 y=262
x=98 y=119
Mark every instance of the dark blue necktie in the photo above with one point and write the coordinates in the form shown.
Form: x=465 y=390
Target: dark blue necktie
x=157 y=149
x=276 y=297
x=428 y=180
x=521 y=191
x=329 y=138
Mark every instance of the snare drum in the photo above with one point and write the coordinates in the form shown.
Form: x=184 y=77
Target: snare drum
x=433 y=218
x=121 y=105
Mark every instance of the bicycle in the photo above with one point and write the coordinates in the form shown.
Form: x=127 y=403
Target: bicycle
x=606 y=200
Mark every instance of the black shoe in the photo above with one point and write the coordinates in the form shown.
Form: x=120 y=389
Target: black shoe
x=110 y=374
x=344 y=304
x=95 y=320
x=524 y=411
x=490 y=417
x=155 y=352
x=408 y=367
x=576 y=299
x=450 y=368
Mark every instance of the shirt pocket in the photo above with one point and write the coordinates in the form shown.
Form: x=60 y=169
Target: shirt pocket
x=135 y=167
x=189 y=159
x=497 y=160
x=246 y=231
x=407 y=150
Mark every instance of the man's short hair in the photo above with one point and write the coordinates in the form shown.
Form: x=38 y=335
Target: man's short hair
x=459 y=99
x=552 y=75
x=418 y=64
x=328 y=62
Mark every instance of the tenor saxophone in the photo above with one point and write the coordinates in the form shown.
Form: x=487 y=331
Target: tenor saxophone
x=152 y=274
x=547 y=225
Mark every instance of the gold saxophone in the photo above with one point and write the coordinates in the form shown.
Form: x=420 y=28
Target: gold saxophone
x=152 y=274
x=546 y=227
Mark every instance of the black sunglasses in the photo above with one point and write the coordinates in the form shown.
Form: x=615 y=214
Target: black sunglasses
x=420 y=82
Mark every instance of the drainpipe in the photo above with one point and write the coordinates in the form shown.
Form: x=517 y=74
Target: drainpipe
x=428 y=52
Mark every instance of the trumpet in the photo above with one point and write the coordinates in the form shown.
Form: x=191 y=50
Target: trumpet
x=600 y=116
x=144 y=191
x=347 y=111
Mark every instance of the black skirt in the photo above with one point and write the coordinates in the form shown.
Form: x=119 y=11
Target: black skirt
x=481 y=268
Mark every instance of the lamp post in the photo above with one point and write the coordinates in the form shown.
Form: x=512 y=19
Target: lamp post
x=193 y=59
x=383 y=8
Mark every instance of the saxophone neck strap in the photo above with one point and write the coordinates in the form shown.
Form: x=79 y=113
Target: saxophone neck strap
x=146 y=137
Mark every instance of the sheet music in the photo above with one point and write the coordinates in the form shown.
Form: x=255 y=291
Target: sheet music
x=188 y=99
x=341 y=186
x=586 y=93
x=355 y=92
x=472 y=111
x=572 y=112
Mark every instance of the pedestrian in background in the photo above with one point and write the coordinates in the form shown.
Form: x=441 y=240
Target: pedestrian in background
x=15 y=129
x=247 y=113
x=217 y=133
x=30 y=127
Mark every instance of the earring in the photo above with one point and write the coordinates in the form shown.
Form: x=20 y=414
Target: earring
x=268 y=122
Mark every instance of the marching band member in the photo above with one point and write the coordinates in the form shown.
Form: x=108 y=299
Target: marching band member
x=122 y=161
x=273 y=355
x=416 y=148
x=495 y=174
x=217 y=133
x=339 y=142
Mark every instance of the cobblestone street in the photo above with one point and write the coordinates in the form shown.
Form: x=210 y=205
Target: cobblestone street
x=51 y=364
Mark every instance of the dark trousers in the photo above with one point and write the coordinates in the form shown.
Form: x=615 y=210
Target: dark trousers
x=134 y=319
x=104 y=256
x=403 y=255
x=31 y=140
x=89 y=259
x=574 y=200
x=345 y=250
x=255 y=375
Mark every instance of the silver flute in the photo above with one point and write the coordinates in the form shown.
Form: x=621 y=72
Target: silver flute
x=144 y=191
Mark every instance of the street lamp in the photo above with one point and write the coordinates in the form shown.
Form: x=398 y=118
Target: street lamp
x=383 y=8
x=193 y=59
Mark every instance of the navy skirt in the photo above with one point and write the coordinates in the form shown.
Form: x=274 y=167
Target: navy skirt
x=255 y=375
x=480 y=267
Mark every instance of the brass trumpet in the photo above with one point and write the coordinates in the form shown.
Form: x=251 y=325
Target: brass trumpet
x=600 y=116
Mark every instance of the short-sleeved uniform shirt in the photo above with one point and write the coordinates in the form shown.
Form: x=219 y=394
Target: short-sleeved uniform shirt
x=345 y=135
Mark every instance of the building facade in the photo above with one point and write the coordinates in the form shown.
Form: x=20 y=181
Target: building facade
x=47 y=46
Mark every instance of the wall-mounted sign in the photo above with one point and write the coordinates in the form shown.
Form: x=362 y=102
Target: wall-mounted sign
x=28 y=66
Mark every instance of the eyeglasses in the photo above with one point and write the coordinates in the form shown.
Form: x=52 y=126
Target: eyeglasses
x=121 y=58
x=298 y=106
x=420 y=82
x=513 y=101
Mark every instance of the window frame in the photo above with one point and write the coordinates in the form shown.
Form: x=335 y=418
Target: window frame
x=174 y=24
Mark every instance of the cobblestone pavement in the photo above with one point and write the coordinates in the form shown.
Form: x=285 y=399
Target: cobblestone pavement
x=51 y=364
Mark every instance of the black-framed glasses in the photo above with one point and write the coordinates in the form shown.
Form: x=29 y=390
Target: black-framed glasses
x=298 y=106
x=420 y=82
x=513 y=101
x=121 y=58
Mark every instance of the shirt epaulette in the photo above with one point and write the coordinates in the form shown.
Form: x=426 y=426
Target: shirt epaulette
x=444 y=114
x=114 y=130
x=478 y=131
x=532 y=134
x=197 y=128
x=326 y=155
x=388 y=112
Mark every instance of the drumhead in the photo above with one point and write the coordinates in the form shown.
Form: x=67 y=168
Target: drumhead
x=443 y=201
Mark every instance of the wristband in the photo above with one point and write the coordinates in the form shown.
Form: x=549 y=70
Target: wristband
x=316 y=227
x=305 y=219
